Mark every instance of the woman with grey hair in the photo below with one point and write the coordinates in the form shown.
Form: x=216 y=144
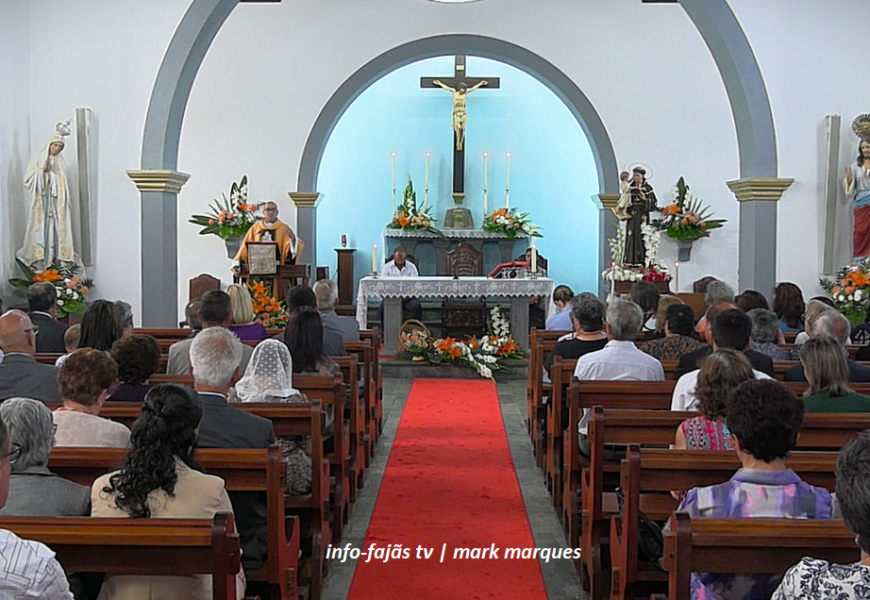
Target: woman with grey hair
x=766 y=333
x=827 y=371
x=34 y=491
x=813 y=578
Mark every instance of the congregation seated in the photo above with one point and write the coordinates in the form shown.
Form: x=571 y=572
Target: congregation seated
x=138 y=358
x=243 y=324
x=815 y=307
x=812 y=578
x=619 y=360
x=587 y=320
x=766 y=334
x=646 y=296
x=326 y=293
x=191 y=316
x=20 y=375
x=215 y=311
x=269 y=378
x=734 y=331
x=658 y=333
x=40 y=576
x=764 y=420
x=720 y=373
x=101 y=326
x=304 y=338
x=750 y=300
x=125 y=316
x=215 y=355
x=830 y=323
x=716 y=292
x=302 y=297
x=730 y=329
x=84 y=381
x=827 y=371
x=70 y=342
x=42 y=310
x=561 y=321
x=160 y=478
x=788 y=304
x=34 y=491
x=679 y=329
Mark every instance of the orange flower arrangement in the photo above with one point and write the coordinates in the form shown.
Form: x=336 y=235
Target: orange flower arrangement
x=49 y=276
x=269 y=311
x=850 y=291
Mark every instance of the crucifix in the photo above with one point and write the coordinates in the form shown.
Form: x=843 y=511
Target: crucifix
x=460 y=85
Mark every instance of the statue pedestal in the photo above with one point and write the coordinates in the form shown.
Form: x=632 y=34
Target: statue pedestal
x=458 y=218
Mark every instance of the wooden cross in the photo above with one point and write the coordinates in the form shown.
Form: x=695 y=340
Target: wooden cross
x=459 y=77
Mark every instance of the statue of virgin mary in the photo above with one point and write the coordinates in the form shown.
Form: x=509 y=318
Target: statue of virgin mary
x=49 y=234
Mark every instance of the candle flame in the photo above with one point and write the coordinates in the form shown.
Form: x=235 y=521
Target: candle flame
x=428 y=154
x=508 y=154
x=393 y=154
x=486 y=154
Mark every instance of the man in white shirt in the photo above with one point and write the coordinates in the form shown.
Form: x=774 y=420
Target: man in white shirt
x=730 y=329
x=400 y=267
x=27 y=569
x=620 y=360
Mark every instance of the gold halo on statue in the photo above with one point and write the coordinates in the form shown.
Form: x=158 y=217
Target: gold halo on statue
x=649 y=172
x=861 y=126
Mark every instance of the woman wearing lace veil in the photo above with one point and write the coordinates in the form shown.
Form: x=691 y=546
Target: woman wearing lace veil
x=49 y=234
x=269 y=378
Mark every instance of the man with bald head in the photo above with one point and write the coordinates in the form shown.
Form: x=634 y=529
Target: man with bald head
x=20 y=375
x=270 y=229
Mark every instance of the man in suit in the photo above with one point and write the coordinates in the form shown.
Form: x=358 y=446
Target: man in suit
x=831 y=324
x=731 y=333
x=327 y=295
x=20 y=374
x=214 y=357
x=302 y=295
x=215 y=310
x=42 y=310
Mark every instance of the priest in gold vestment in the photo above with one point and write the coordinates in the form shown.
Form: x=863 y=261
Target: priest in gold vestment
x=270 y=229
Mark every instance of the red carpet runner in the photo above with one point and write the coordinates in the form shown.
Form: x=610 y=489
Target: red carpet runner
x=449 y=480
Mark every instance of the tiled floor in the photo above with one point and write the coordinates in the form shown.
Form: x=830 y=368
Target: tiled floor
x=560 y=577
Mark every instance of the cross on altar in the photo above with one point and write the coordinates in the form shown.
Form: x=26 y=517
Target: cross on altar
x=460 y=85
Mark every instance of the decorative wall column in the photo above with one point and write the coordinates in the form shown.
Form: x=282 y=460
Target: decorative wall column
x=159 y=191
x=606 y=228
x=756 y=269
x=306 y=225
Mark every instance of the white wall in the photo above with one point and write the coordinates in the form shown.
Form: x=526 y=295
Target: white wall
x=273 y=67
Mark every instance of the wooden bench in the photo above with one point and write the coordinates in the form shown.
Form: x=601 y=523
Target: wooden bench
x=376 y=380
x=756 y=546
x=355 y=411
x=647 y=477
x=369 y=374
x=541 y=343
x=657 y=428
x=129 y=546
x=562 y=374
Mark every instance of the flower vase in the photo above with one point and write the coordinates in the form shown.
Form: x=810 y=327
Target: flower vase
x=233 y=244
x=684 y=250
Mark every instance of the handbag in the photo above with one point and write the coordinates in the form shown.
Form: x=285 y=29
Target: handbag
x=650 y=541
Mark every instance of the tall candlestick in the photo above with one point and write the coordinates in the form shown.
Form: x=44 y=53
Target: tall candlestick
x=612 y=282
x=485 y=162
x=534 y=260
x=374 y=259
x=677 y=274
x=507 y=181
x=426 y=186
x=393 y=163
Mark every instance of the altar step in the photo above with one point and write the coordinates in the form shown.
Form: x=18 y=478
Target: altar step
x=407 y=369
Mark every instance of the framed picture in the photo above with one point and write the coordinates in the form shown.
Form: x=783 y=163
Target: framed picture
x=262 y=258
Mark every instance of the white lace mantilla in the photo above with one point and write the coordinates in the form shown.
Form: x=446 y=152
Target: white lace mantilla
x=458 y=234
x=447 y=287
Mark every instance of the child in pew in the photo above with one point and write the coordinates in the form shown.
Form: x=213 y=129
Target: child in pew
x=269 y=378
x=763 y=418
x=160 y=478
x=811 y=578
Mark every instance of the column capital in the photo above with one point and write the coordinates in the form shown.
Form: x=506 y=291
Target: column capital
x=761 y=189
x=305 y=199
x=158 y=180
x=605 y=201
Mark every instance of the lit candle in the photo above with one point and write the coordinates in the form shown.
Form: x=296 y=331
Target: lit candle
x=534 y=259
x=426 y=187
x=677 y=276
x=374 y=258
x=485 y=161
x=507 y=182
x=393 y=163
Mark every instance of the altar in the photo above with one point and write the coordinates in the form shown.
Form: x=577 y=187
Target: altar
x=394 y=289
x=507 y=248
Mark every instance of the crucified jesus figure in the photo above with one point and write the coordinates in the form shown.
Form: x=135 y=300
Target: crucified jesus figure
x=460 y=117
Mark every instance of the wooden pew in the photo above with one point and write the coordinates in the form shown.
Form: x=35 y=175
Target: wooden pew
x=647 y=477
x=243 y=470
x=747 y=546
x=657 y=428
x=355 y=411
x=369 y=374
x=129 y=546
x=562 y=373
x=540 y=344
x=376 y=377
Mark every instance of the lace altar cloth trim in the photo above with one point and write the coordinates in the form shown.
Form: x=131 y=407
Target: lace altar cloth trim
x=458 y=234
